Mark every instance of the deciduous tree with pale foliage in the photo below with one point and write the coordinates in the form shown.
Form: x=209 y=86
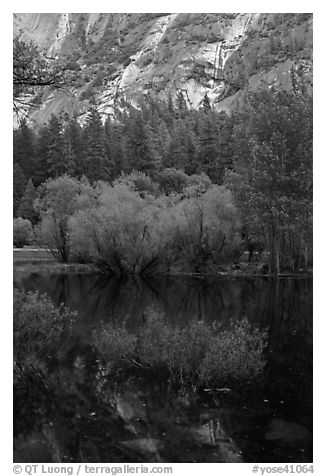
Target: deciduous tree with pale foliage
x=271 y=175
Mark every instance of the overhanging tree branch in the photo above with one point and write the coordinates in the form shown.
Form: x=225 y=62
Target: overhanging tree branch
x=32 y=71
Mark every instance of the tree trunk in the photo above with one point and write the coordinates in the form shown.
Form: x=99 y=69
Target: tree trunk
x=277 y=259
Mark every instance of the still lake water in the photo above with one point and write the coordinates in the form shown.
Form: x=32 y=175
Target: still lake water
x=274 y=424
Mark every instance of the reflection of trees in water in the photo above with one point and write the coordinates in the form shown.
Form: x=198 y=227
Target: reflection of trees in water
x=285 y=306
x=282 y=305
x=183 y=299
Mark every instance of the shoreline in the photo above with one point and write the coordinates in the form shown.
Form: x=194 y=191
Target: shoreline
x=50 y=265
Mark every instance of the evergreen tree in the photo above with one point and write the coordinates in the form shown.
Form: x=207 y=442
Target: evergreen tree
x=113 y=146
x=224 y=126
x=50 y=151
x=170 y=105
x=19 y=184
x=153 y=146
x=163 y=141
x=55 y=148
x=98 y=165
x=205 y=103
x=182 y=107
x=208 y=160
x=42 y=172
x=24 y=149
x=192 y=145
x=154 y=135
x=168 y=112
x=73 y=148
x=26 y=208
x=177 y=154
x=139 y=146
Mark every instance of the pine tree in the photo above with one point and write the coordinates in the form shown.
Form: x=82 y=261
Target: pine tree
x=168 y=113
x=225 y=143
x=164 y=140
x=26 y=208
x=154 y=162
x=24 y=149
x=205 y=103
x=113 y=146
x=170 y=105
x=139 y=147
x=42 y=172
x=55 y=148
x=182 y=107
x=19 y=184
x=208 y=151
x=178 y=150
x=98 y=165
x=73 y=148
x=190 y=165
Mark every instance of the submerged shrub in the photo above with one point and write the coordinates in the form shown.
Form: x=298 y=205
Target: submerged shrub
x=196 y=354
x=114 y=344
x=186 y=349
x=39 y=327
x=236 y=353
x=152 y=340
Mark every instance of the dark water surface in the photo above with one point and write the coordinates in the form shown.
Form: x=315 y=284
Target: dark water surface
x=272 y=423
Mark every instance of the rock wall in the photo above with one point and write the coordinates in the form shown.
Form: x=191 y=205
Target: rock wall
x=132 y=54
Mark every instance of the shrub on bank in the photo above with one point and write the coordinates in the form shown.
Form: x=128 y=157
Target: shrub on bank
x=124 y=233
x=23 y=232
x=137 y=225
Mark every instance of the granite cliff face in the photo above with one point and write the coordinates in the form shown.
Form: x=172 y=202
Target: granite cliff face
x=128 y=55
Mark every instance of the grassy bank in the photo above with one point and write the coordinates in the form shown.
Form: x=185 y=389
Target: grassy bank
x=41 y=260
